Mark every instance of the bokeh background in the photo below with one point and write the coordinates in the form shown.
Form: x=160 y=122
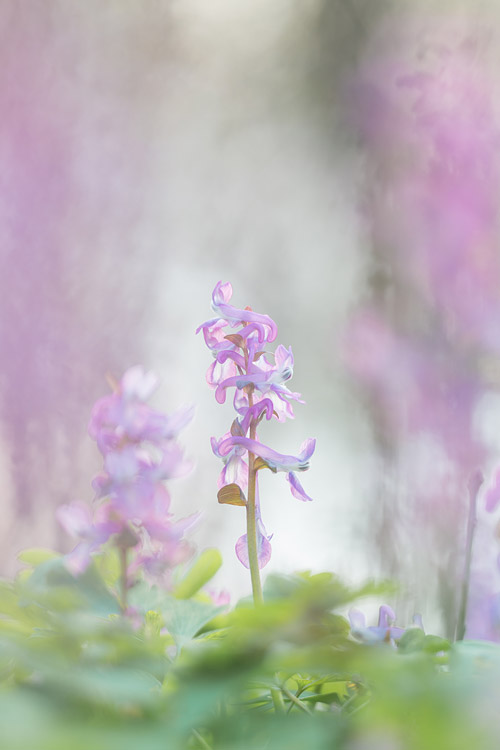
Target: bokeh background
x=337 y=161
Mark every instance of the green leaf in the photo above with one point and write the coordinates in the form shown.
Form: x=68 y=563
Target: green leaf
x=433 y=644
x=183 y=617
x=108 y=565
x=412 y=640
x=205 y=567
x=153 y=623
x=57 y=589
x=475 y=656
x=109 y=685
x=36 y=555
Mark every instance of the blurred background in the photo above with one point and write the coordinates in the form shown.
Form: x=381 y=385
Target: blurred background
x=337 y=162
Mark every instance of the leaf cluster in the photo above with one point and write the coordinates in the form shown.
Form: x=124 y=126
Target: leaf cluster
x=180 y=672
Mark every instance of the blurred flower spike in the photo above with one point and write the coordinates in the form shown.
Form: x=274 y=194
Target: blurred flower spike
x=140 y=452
x=258 y=376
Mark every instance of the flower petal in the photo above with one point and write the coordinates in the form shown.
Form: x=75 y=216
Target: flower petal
x=222 y=293
x=266 y=327
x=75 y=518
x=275 y=460
x=136 y=384
x=79 y=559
x=296 y=488
x=264 y=550
x=357 y=619
x=265 y=406
x=386 y=616
x=493 y=494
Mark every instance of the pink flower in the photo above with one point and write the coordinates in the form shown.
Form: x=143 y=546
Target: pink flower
x=93 y=530
x=258 y=377
x=262 y=325
x=124 y=416
x=140 y=452
x=384 y=631
x=275 y=461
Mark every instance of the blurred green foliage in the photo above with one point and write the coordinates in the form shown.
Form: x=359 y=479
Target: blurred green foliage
x=179 y=672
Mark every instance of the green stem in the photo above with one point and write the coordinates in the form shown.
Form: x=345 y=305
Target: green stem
x=253 y=557
x=279 y=703
x=296 y=701
x=203 y=743
x=252 y=547
x=123 y=578
x=474 y=484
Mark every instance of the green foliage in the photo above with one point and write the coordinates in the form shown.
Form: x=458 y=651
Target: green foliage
x=203 y=570
x=182 y=618
x=36 y=555
x=178 y=672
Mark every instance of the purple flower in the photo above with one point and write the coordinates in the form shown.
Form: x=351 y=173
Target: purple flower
x=93 y=530
x=262 y=376
x=235 y=469
x=220 y=598
x=264 y=327
x=430 y=125
x=256 y=413
x=385 y=630
x=123 y=416
x=274 y=460
x=264 y=548
x=165 y=547
x=296 y=488
x=140 y=452
x=258 y=377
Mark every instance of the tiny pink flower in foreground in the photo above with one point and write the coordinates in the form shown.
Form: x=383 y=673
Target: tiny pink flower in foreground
x=220 y=598
x=385 y=631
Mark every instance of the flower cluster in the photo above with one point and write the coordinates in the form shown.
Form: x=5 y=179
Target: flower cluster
x=426 y=344
x=258 y=376
x=140 y=452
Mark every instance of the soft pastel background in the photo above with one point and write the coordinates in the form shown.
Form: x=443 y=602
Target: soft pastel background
x=149 y=149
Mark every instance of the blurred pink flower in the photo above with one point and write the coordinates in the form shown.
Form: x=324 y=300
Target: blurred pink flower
x=423 y=102
x=140 y=452
x=93 y=529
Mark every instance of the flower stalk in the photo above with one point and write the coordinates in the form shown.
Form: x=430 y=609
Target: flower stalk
x=123 y=577
x=258 y=376
x=252 y=545
x=474 y=485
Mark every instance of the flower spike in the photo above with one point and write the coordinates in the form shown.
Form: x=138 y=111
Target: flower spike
x=140 y=452
x=237 y=339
